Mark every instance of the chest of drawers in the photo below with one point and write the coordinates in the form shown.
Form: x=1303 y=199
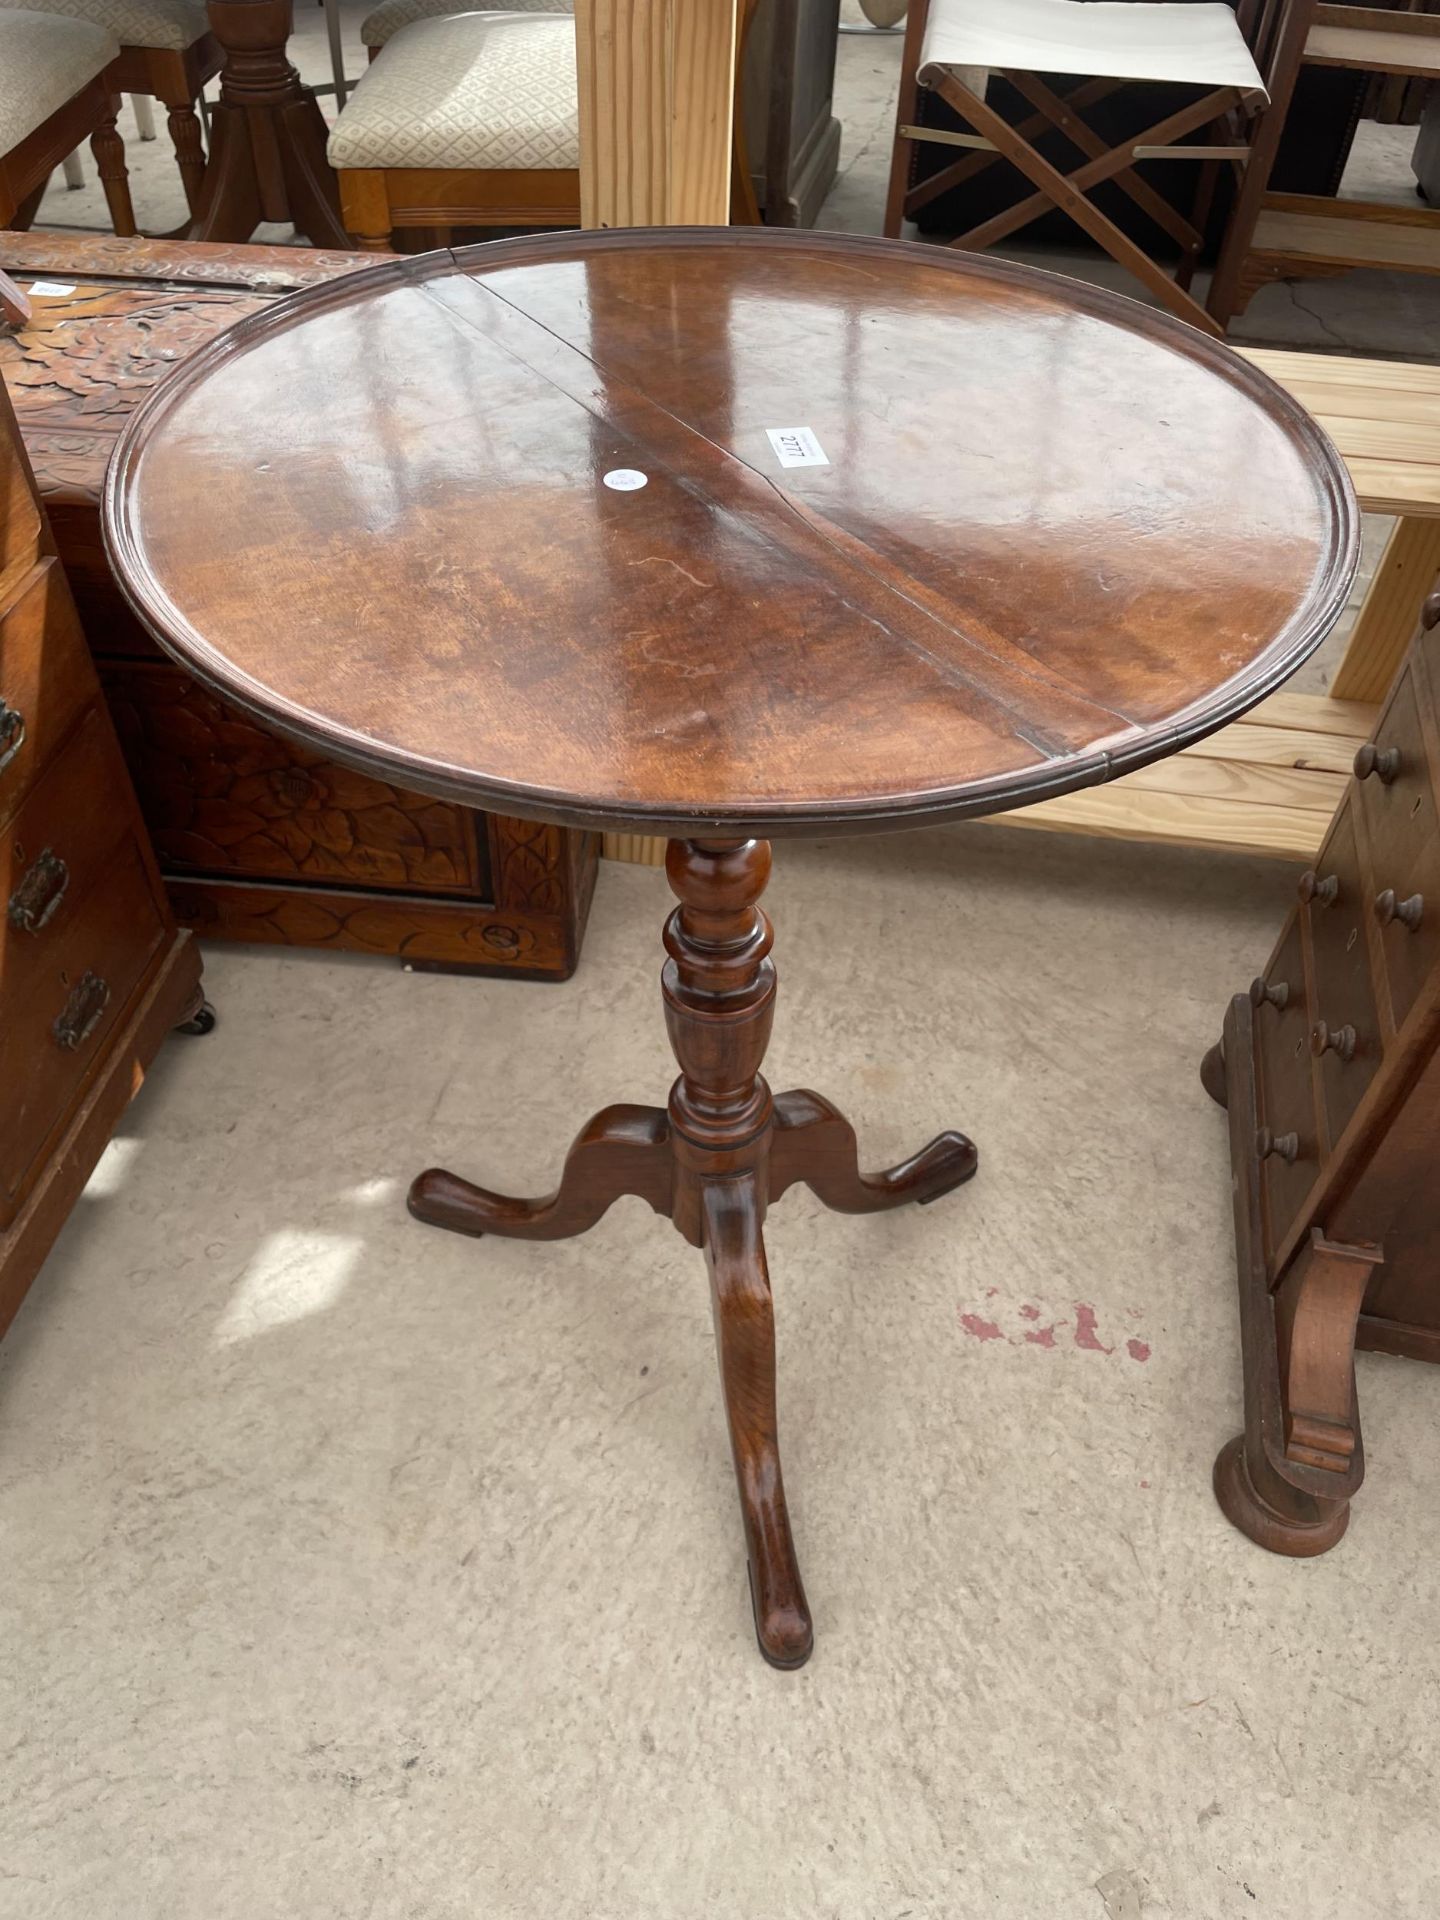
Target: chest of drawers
x=1330 y=1068
x=93 y=971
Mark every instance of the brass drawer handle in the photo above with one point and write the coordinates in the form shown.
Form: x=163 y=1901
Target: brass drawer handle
x=82 y=1012
x=1262 y=994
x=1326 y=891
x=1337 y=1040
x=38 y=895
x=1408 y=912
x=12 y=733
x=1384 y=765
x=1285 y=1146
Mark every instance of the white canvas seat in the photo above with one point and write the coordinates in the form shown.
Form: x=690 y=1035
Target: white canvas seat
x=955 y=49
x=1198 y=45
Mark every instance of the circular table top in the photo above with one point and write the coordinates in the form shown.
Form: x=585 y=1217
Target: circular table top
x=689 y=530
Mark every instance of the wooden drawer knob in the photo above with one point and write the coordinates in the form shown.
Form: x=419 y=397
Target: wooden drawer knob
x=1337 y=1040
x=1408 y=912
x=1383 y=764
x=82 y=1011
x=12 y=733
x=1285 y=1146
x=1263 y=994
x=38 y=895
x=1430 y=612
x=1326 y=891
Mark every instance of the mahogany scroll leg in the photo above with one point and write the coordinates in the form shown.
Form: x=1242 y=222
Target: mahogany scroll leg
x=624 y=1149
x=745 y=1341
x=814 y=1142
x=1268 y=1510
x=1316 y=1306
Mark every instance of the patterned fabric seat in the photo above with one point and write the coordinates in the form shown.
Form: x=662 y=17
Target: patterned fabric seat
x=173 y=24
x=475 y=90
x=378 y=27
x=45 y=60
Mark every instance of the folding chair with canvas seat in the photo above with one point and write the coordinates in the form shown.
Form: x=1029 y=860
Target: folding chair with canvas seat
x=954 y=46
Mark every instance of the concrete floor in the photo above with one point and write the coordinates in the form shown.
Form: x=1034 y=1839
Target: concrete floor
x=357 y=1572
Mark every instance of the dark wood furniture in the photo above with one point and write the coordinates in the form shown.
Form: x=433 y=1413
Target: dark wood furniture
x=267 y=135
x=931 y=624
x=176 y=77
x=1286 y=236
x=785 y=108
x=93 y=971
x=259 y=839
x=1330 y=1066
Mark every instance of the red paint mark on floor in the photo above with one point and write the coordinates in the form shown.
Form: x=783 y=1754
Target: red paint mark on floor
x=980 y=1329
x=1137 y=1349
x=1145 y=1484
x=1027 y=1312
x=1040 y=1336
x=1085 y=1335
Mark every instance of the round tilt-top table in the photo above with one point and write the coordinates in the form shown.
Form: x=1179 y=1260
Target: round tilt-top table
x=725 y=536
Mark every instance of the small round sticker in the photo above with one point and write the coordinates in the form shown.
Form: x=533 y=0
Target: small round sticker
x=626 y=479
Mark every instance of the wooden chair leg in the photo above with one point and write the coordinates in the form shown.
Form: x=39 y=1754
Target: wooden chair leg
x=1063 y=115
x=1068 y=193
x=1230 y=286
x=109 y=151
x=23 y=218
x=365 y=208
x=959 y=171
x=185 y=136
x=905 y=111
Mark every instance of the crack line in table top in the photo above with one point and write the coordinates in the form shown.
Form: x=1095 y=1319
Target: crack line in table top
x=1004 y=655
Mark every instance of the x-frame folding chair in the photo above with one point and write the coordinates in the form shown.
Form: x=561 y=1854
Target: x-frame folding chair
x=953 y=47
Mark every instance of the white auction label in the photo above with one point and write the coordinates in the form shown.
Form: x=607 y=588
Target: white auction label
x=626 y=479
x=51 y=289
x=796 y=447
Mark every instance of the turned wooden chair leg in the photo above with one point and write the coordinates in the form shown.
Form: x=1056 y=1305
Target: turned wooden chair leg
x=365 y=208
x=109 y=151
x=184 y=125
x=745 y=1343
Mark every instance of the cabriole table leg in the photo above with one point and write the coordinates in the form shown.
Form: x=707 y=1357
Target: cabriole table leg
x=713 y=1159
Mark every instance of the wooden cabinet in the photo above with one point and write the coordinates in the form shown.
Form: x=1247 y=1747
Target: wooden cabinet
x=93 y=971
x=257 y=839
x=1330 y=1067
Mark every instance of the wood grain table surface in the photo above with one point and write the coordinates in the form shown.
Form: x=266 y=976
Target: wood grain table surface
x=1055 y=535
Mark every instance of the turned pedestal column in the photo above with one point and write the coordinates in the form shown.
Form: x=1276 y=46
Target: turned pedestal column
x=267 y=135
x=713 y=1159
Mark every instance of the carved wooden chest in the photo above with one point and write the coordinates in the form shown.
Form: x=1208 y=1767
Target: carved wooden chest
x=257 y=839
